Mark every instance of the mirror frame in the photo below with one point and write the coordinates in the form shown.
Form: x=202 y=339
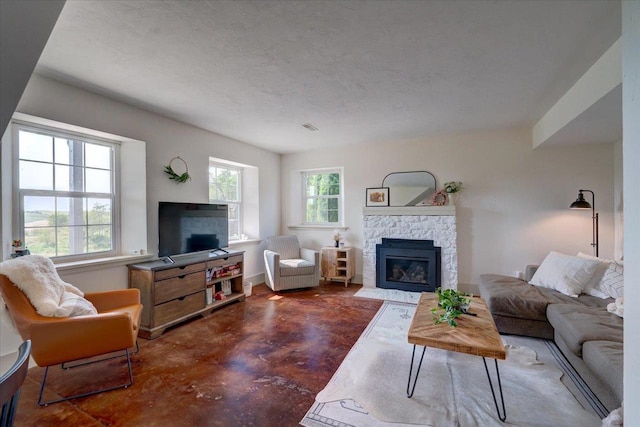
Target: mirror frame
x=422 y=199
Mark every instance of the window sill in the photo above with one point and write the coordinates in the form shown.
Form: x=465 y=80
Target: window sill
x=122 y=260
x=317 y=227
x=100 y=263
x=235 y=243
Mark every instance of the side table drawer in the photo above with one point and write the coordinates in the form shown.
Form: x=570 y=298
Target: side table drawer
x=166 y=290
x=177 y=308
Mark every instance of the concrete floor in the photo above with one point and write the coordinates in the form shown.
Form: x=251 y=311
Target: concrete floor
x=254 y=363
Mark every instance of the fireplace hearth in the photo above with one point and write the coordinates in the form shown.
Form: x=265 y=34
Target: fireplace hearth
x=409 y=265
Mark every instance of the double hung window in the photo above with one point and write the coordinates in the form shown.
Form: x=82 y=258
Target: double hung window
x=225 y=186
x=322 y=197
x=66 y=191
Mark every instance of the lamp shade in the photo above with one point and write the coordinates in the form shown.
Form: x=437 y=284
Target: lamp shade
x=580 y=203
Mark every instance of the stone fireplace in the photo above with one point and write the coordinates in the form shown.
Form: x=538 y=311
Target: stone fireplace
x=435 y=223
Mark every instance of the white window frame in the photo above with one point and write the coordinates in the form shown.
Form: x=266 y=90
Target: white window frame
x=340 y=197
x=218 y=163
x=19 y=194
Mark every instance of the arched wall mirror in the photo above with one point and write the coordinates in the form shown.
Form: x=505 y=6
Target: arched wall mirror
x=409 y=188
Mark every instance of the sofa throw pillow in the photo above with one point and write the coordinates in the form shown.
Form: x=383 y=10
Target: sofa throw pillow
x=613 y=281
x=565 y=273
x=594 y=287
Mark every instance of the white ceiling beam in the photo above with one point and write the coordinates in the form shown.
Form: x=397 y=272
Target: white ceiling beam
x=602 y=78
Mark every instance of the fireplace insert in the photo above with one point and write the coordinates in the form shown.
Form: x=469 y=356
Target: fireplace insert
x=408 y=265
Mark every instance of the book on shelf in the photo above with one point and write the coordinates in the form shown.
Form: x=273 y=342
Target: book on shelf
x=223 y=271
x=226 y=286
x=209 y=295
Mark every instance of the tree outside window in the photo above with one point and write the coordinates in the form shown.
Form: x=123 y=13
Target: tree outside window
x=66 y=193
x=225 y=187
x=322 y=198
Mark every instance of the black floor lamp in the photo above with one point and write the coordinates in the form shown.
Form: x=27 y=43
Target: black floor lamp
x=581 y=203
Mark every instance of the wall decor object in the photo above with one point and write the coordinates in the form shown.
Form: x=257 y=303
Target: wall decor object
x=378 y=196
x=184 y=177
x=439 y=198
x=409 y=188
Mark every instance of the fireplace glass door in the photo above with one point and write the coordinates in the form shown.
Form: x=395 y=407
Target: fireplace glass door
x=407 y=270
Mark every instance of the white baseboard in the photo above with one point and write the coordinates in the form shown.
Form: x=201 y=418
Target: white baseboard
x=256 y=279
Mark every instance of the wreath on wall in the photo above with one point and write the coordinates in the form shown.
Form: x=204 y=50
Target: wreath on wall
x=439 y=198
x=168 y=169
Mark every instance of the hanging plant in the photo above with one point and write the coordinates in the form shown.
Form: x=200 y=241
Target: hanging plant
x=168 y=169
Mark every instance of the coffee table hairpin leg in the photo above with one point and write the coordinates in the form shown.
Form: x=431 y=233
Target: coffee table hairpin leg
x=502 y=416
x=410 y=393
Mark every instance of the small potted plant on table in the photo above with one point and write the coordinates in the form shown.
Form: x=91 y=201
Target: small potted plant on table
x=451 y=304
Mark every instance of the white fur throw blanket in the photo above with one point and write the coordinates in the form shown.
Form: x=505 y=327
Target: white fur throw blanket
x=36 y=276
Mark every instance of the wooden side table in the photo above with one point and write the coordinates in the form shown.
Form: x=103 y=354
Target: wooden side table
x=338 y=263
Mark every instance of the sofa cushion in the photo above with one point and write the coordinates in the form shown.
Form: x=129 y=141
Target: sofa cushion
x=577 y=324
x=592 y=301
x=605 y=359
x=512 y=297
x=296 y=267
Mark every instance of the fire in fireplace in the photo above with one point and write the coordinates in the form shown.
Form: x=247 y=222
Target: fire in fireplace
x=409 y=265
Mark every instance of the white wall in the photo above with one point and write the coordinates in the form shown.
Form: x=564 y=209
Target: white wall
x=631 y=150
x=165 y=139
x=513 y=210
x=618 y=205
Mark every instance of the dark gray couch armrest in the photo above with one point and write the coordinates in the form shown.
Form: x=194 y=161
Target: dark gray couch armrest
x=530 y=271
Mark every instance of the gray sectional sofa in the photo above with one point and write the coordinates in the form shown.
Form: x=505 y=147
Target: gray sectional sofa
x=587 y=334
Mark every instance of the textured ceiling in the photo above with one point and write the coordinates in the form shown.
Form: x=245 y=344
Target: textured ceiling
x=360 y=71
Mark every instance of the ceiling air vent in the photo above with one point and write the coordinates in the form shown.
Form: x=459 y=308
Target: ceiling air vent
x=310 y=127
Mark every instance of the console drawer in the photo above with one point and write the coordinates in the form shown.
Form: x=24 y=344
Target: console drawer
x=177 y=308
x=176 y=287
x=225 y=261
x=178 y=271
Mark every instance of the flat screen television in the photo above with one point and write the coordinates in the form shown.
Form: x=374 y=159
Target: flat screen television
x=191 y=227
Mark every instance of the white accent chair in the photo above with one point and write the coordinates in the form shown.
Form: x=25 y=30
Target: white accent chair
x=288 y=266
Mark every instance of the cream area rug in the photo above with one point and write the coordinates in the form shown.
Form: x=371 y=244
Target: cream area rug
x=369 y=388
x=388 y=295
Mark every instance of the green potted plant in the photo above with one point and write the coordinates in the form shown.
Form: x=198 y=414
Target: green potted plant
x=452 y=188
x=451 y=304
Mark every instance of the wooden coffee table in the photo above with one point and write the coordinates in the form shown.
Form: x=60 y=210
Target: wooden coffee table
x=476 y=335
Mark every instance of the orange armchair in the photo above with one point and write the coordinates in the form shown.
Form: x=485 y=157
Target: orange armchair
x=58 y=340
